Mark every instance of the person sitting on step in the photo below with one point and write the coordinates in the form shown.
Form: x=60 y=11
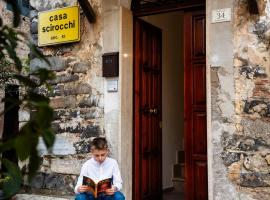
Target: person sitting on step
x=99 y=168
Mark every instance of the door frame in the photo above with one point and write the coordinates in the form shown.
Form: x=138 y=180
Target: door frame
x=195 y=106
x=136 y=14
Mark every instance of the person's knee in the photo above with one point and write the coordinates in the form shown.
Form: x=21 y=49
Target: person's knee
x=81 y=196
x=119 y=196
x=84 y=196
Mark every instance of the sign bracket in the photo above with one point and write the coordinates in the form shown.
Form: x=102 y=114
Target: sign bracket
x=88 y=10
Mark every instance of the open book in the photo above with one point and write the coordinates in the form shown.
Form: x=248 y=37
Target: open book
x=97 y=188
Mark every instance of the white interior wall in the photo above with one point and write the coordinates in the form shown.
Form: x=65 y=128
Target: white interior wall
x=172 y=88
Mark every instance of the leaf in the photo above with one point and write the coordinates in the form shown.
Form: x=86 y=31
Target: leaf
x=37 y=98
x=14 y=180
x=13 y=55
x=5 y=146
x=25 y=80
x=26 y=140
x=44 y=115
x=38 y=53
x=13 y=169
x=11 y=37
x=34 y=163
x=48 y=138
x=9 y=42
x=45 y=75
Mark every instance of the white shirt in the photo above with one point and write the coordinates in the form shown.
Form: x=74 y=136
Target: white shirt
x=97 y=172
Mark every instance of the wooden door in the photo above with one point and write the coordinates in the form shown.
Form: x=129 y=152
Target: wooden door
x=147 y=111
x=195 y=107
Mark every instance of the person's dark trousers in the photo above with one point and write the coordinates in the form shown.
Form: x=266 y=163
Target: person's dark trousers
x=88 y=196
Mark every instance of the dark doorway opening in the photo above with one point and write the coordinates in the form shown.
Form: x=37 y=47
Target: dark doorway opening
x=11 y=120
x=194 y=154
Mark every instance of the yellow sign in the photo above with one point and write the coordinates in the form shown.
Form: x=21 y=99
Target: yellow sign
x=59 y=26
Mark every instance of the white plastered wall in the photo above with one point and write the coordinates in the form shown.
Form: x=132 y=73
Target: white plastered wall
x=118 y=106
x=219 y=49
x=126 y=99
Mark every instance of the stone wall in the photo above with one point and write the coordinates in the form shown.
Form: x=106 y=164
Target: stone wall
x=7 y=17
x=241 y=108
x=22 y=51
x=76 y=96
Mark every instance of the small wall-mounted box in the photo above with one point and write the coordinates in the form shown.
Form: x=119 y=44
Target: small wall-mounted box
x=110 y=64
x=112 y=85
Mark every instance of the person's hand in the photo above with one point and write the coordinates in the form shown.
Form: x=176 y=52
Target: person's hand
x=82 y=188
x=111 y=191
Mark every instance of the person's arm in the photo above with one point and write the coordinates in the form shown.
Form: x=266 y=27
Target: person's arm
x=80 y=179
x=117 y=180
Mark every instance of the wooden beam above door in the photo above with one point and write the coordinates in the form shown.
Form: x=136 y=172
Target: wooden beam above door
x=149 y=7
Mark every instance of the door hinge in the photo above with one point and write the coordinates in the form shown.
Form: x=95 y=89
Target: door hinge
x=160 y=124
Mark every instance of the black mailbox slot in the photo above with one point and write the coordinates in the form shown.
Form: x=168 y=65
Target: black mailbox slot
x=110 y=64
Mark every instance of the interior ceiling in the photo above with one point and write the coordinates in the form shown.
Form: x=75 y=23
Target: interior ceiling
x=141 y=4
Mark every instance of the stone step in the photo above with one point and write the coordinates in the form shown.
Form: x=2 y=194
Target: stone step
x=41 y=197
x=178 y=184
x=180 y=157
x=179 y=170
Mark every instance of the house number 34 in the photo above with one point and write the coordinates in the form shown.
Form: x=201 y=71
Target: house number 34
x=221 y=15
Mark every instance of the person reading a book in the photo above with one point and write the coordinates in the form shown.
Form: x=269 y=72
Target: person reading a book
x=100 y=177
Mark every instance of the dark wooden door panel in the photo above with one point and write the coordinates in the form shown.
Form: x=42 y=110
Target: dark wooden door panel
x=147 y=98
x=199 y=133
x=200 y=180
x=195 y=107
x=198 y=24
x=199 y=84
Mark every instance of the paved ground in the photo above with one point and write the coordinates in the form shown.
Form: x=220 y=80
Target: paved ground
x=173 y=196
x=166 y=196
x=39 y=197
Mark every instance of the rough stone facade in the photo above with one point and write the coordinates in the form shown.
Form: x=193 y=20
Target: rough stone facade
x=22 y=51
x=241 y=108
x=76 y=97
x=239 y=91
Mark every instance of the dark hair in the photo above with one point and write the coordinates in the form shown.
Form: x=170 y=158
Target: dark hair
x=99 y=143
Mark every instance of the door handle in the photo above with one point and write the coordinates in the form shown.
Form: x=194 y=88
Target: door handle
x=147 y=110
x=155 y=111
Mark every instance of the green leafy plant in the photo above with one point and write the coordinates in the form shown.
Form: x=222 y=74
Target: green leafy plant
x=13 y=69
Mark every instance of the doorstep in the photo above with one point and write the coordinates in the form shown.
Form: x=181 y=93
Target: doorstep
x=41 y=197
